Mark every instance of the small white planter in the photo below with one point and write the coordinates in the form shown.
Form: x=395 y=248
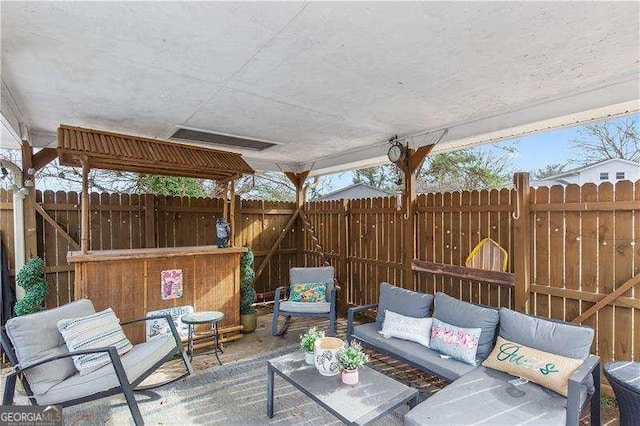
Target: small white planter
x=350 y=377
x=309 y=358
x=325 y=355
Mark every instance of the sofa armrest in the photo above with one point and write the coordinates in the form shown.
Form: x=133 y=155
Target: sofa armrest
x=280 y=293
x=111 y=350
x=578 y=381
x=351 y=312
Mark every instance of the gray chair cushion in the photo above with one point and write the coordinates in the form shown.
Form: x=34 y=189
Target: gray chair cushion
x=469 y=315
x=428 y=359
x=484 y=396
x=305 y=307
x=36 y=337
x=135 y=362
x=322 y=274
x=405 y=302
x=561 y=338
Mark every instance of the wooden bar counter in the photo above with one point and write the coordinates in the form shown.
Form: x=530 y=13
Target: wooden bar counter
x=129 y=281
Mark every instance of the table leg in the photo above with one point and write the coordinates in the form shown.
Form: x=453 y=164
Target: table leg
x=414 y=401
x=190 y=345
x=216 y=347
x=269 y=391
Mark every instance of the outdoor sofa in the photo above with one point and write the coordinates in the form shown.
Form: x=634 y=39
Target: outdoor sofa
x=478 y=394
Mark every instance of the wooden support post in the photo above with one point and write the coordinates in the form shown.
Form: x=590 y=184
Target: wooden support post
x=29 y=213
x=84 y=203
x=342 y=271
x=409 y=166
x=150 y=221
x=298 y=180
x=232 y=213
x=521 y=257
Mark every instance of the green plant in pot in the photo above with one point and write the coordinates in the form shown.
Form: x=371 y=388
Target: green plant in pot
x=31 y=279
x=351 y=358
x=248 y=317
x=308 y=341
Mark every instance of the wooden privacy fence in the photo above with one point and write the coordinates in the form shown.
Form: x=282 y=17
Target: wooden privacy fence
x=569 y=248
x=121 y=221
x=573 y=250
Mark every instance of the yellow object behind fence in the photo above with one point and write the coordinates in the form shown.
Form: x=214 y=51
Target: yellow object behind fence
x=488 y=255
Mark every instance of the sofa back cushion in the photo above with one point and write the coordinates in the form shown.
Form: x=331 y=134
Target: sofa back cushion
x=404 y=302
x=557 y=337
x=469 y=315
x=36 y=337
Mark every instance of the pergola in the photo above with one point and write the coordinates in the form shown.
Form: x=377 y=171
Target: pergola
x=306 y=88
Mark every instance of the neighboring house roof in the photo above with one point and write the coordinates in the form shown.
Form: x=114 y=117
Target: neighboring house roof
x=577 y=170
x=357 y=190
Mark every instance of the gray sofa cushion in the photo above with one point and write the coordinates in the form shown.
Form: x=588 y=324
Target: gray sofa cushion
x=469 y=315
x=484 y=396
x=405 y=302
x=305 y=307
x=428 y=359
x=561 y=338
x=135 y=362
x=36 y=337
x=322 y=274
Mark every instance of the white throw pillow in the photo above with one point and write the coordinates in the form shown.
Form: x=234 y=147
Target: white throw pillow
x=408 y=328
x=99 y=330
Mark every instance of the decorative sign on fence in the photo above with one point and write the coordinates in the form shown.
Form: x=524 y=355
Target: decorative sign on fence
x=171 y=284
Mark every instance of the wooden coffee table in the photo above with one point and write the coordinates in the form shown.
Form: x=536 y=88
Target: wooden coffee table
x=373 y=397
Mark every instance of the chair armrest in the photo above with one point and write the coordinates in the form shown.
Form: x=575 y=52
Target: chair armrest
x=111 y=350
x=589 y=368
x=166 y=317
x=280 y=292
x=351 y=312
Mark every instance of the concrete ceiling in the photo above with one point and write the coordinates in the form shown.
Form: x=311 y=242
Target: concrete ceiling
x=328 y=82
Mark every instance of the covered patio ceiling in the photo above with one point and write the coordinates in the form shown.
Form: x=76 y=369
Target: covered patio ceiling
x=328 y=83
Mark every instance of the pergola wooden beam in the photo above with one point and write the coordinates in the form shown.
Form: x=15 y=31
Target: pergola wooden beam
x=43 y=157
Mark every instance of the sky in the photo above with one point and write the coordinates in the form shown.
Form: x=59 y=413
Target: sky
x=533 y=152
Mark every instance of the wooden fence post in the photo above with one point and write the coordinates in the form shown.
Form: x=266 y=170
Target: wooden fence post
x=521 y=256
x=150 y=220
x=343 y=270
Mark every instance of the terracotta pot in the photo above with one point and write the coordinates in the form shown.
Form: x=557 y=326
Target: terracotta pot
x=350 y=377
x=309 y=358
x=249 y=322
x=325 y=355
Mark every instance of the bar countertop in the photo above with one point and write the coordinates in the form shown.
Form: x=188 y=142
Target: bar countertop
x=149 y=253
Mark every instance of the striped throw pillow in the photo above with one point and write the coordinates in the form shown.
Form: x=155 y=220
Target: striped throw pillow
x=98 y=330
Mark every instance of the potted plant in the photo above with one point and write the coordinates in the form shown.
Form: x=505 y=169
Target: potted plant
x=351 y=358
x=31 y=279
x=326 y=355
x=248 y=317
x=308 y=341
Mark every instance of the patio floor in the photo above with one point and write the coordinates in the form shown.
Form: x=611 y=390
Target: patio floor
x=261 y=342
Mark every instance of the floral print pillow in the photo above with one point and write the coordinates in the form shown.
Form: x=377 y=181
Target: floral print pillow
x=457 y=342
x=308 y=292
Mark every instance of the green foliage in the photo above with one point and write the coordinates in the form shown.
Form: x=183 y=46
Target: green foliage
x=351 y=357
x=308 y=339
x=608 y=401
x=247 y=292
x=384 y=176
x=467 y=169
x=549 y=170
x=171 y=186
x=30 y=278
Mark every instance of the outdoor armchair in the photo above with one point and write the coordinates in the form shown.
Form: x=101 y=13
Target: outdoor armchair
x=43 y=363
x=288 y=309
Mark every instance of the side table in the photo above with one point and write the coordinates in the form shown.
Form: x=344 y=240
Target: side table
x=207 y=317
x=624 y=377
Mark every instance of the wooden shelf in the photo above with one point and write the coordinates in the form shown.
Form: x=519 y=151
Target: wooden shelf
x=149 y=253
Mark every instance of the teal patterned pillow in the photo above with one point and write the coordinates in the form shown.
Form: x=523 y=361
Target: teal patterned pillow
x=457 y=342
x=308 y=292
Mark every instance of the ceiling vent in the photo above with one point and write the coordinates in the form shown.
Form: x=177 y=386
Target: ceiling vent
x=209 y=138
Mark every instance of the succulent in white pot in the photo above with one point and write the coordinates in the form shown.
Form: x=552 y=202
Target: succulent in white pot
x=307 y=343
x=351 y=358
